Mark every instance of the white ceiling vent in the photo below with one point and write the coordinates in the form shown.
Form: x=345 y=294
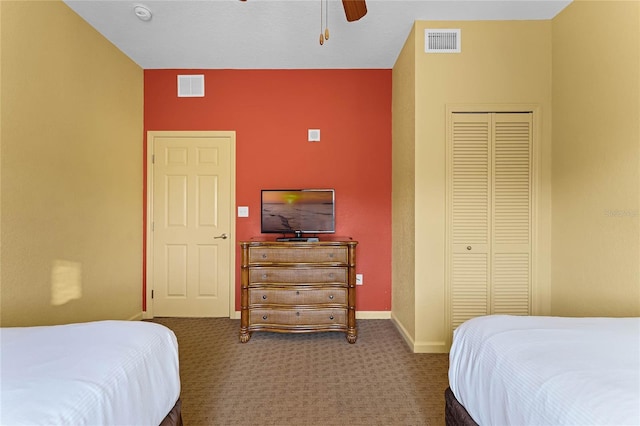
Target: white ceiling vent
x=191 y=86
x=441 y=41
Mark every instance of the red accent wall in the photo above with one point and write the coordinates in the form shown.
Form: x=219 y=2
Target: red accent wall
x=270 y=111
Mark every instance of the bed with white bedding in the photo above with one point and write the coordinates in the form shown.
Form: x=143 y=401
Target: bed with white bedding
x=95 y=373
x=524 y=370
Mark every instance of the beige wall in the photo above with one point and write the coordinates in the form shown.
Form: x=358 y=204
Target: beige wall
x=403 y=188
x=71 y=170
x=582 y=70
x=502 y=62
x=596 y=158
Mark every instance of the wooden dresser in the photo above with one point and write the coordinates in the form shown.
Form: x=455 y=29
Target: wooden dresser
x=298 y=287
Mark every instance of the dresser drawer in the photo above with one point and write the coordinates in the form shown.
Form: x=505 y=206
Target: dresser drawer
x=293 y=317
x=298 y=255
x=292 y=275
x=283 y=296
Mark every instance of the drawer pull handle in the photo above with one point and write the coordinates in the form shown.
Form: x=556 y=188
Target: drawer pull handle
x=264 y=317
x=331 y=317
x=331 y=255
x=297 y=293
x=264 y=276
x=264 y=297
x=331 y=296
x=264 y=255
x=297 y=314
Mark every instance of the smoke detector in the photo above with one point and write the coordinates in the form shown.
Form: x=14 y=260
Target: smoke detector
x=142 y=12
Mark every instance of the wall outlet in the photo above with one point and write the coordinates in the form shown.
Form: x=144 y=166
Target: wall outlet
x=359 y=279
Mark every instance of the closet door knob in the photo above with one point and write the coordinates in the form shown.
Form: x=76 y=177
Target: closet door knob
x=468 y=247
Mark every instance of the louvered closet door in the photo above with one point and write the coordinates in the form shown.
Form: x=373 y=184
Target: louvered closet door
x=470 y=220
x=511 y=213
x=489 y=214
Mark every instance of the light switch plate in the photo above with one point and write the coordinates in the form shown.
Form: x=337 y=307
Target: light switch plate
x=243 y=211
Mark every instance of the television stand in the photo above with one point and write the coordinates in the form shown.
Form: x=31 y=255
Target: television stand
x=298 y=288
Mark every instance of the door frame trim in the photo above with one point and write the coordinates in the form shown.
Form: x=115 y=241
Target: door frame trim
x=148 y=241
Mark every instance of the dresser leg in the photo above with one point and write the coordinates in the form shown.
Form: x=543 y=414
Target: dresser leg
x=351 y=336
x=244 y=336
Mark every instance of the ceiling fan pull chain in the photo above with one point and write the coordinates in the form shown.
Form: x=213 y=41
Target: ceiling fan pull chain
x=326 y=20
x=321 y=35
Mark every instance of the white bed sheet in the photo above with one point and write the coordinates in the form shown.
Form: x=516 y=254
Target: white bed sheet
x=96 y=373
x=516 y=370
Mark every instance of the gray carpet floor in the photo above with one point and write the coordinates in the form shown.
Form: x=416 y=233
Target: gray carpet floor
x=305 y=379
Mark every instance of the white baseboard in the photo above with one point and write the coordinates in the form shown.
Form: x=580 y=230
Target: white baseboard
x=419 y=347
x=137 y=317
x=403 y=331
x=373 y=314
x=430 y=348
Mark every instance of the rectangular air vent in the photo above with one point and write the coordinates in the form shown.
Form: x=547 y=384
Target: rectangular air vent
x=441 y=41
x=191 y=86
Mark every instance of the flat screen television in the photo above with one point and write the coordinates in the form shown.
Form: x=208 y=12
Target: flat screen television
x=298 y=211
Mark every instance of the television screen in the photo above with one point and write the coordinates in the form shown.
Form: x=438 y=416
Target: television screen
x=298 y=211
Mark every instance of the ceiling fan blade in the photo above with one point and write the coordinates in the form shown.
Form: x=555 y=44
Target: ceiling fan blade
x=354 y=9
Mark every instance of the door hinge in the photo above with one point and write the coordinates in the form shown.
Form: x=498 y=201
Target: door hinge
x=152 y=294
x=153 y=159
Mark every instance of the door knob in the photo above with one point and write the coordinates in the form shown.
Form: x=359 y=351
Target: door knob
x=223 y=236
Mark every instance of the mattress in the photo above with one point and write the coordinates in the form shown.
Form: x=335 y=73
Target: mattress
x=96 y=373
x=547 y=370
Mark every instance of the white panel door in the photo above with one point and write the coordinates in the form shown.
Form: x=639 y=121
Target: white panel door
x=191 y=220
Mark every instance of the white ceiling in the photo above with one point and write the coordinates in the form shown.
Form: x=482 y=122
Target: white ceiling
x=281 y=34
